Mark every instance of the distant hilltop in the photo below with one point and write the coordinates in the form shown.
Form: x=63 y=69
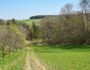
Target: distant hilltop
x=41 y=16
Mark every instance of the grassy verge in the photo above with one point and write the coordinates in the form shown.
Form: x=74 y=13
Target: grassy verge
x=19 y=64
x=60 y=57
x=8 y=60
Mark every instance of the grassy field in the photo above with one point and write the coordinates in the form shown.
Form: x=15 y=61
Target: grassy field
x=64 y=58
x=29 y=22
x=53 y=57
x=14 y=61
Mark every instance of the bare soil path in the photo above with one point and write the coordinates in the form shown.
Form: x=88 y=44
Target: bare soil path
x=32 y=62
x=36 y=63
x=27 y=61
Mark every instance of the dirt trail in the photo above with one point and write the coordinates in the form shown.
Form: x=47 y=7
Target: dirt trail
x=27 y=61
x=31 y=62
x=37 y=65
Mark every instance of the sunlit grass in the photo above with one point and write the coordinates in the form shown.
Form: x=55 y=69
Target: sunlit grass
x=64 y=58
x=19 y=64
x=9 y=59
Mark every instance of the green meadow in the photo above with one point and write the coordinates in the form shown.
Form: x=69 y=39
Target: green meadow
x=61 y=57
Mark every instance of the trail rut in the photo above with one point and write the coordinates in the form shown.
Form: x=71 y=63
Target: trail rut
x=37 y=65
x=27 y=62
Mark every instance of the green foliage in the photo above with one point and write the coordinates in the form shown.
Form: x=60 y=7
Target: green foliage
x=34 y=31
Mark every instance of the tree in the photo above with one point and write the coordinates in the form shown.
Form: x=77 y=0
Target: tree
x=2 y=22
x=67 y=9
x=65 y=28
x=85 y=9
x=3 y=42
x=85 y=6
x=10 y=39
x=34 y=31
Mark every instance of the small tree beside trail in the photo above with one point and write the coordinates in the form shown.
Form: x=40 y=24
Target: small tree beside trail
x=10 y=39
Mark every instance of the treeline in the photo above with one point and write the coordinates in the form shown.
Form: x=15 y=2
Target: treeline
x=69 y=27
x=12 y=37
x=41 y=16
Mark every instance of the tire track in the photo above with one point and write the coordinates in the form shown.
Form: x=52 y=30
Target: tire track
x=27 y=62
x=37 y=65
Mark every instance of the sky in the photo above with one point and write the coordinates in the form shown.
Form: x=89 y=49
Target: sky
x=23 y=9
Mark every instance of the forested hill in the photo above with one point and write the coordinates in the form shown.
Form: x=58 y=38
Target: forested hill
x=41 y=16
